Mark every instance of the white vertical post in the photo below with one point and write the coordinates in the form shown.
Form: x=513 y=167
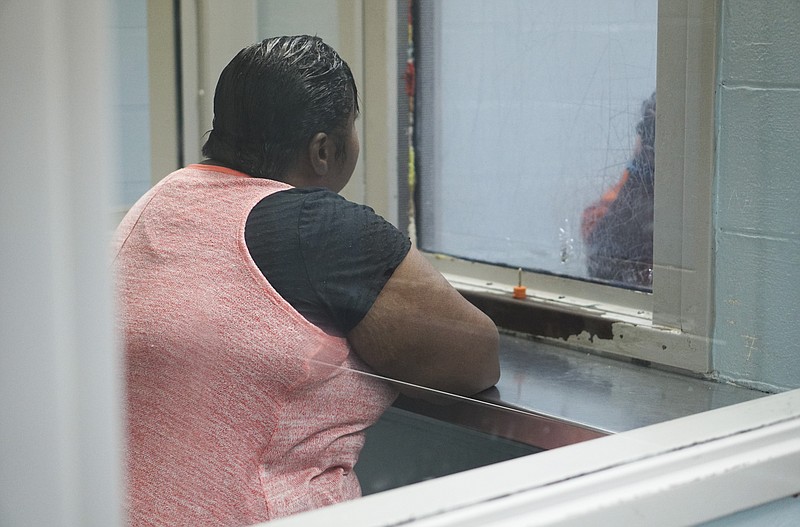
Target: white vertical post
x=60 y=419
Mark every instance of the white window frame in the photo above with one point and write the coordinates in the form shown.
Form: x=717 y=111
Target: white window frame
x=687 y=471
x=672 y=325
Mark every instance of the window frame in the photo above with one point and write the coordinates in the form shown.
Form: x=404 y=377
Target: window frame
x=686 y=471
x=672 y=326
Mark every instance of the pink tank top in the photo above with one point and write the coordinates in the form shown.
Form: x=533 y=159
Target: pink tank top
x=238 y=409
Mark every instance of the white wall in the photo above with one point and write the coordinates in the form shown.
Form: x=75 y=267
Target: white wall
x=60 y=424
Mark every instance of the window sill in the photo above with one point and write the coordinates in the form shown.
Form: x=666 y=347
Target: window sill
x=584 y=315
x=627 y=333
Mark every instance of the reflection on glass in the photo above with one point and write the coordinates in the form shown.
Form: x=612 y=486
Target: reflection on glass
x=525 y=116
x=618 y=228
x=438 y=435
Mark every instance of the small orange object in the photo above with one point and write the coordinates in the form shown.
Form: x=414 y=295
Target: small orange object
x=520 y=291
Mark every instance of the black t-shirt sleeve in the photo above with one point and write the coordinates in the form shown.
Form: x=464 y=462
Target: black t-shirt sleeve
x=328 y=257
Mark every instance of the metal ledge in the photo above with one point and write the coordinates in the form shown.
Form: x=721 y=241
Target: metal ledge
x=550 y=396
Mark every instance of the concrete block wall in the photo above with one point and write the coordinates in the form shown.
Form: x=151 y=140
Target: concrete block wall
x=129 y=35
x=757 y=215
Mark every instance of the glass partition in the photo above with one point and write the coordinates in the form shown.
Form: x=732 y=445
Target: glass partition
x=534 y=134
x=532 y=123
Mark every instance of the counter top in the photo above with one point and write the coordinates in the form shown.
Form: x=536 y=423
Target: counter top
x=550 y=396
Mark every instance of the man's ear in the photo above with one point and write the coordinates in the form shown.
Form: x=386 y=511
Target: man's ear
x=320 y=153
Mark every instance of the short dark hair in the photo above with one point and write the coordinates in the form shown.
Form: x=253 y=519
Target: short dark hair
x=273 y=97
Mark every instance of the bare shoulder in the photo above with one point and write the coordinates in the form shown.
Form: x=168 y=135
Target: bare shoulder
x=421 y=330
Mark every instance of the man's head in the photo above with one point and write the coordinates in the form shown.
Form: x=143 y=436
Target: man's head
x=273 y=98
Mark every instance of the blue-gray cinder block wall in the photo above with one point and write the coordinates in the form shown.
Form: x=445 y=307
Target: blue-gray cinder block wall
x=757 y=263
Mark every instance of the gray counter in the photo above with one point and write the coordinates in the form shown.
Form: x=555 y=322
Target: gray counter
x=549 y=396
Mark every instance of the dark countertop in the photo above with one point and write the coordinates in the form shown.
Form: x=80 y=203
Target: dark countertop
x=550 y=395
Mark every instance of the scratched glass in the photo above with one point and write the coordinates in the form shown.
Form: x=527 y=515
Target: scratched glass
x=529 y=118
